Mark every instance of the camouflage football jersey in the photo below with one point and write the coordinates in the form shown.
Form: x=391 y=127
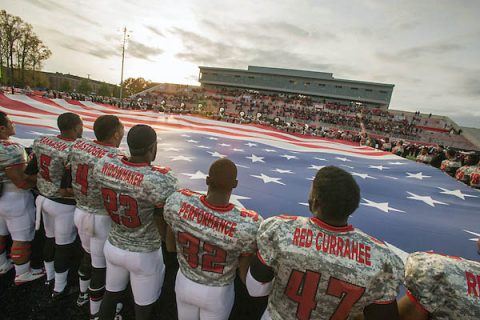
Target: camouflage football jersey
x=475 y=178
x=83 y=157
x=463 y=174
x=325 y=272
x=449 y=165
x=210 y=239
x=52 y=155
x=131 y=192
x=447 y=287
x=11 y=154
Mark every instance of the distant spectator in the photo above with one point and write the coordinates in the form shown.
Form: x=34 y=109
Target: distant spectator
x=438 y=157
x=451 y=164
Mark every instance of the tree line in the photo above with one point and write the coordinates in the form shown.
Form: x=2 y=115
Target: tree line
x=22 y=53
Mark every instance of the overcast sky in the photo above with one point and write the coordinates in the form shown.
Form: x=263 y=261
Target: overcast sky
x=429 y=49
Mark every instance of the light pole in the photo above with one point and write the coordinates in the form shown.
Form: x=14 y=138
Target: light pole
x=123 y=62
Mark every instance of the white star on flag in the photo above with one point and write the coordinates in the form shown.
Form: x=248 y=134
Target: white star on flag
x=343 y=159
x=254 y=158
x=216 y=154
x=418 y=176
x=473 y=233
x=185 y=135
x=397 y=163
x=380 y=206
x=182 y=158
x=311 y=178
x=320 y=159
x=267 y=179
x=457 y=193
x=282 y=171
x=349 y=167
x=212 y=138
x=224 y=145
x=304 y=204
x=427 y=199
x=380 y=167
x=242 y=166
x=288 y=157
x=251 y=144
x=238 y=150
x=362 y=175
x=192 y=141
x=394 y=178
x=203 y=147
x=171 y=149
x=314 y=167
x=197 y=175
x=269 y=150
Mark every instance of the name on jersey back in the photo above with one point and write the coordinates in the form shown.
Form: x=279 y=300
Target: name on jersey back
x=58 y=145
x=90 y=149
x=204 y=218
x=331 y=244
x=133 y=178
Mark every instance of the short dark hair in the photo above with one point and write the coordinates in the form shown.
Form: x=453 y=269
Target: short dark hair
x=472 y=159
x=337 y=194
x=67 y=121
x=105 y=126
x=3 y=119
x=451 y=152
x=140 y=138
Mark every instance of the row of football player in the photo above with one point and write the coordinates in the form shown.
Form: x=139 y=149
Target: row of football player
x=322 y=266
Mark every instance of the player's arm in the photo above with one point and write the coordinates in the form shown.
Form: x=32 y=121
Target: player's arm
x=160 y=221
x=410 y=309
x=66 y=189
x=243 y=265
x=381 y=311
x=18 y=177
x=259 y=278
x=170 y=240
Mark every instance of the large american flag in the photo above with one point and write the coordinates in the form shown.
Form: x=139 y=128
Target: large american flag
x=411 y=206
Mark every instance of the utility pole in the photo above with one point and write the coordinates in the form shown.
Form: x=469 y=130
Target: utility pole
x=123 y=62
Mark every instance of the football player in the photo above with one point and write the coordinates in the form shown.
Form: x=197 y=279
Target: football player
x=322 y=267
x=451 y=164
x=91 y=218
x=213 y=239
x=17 y=211
x=134 y=193
x=57 y=206
x=440 y=287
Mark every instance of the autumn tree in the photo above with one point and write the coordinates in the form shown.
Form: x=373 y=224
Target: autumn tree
x=133 y=86
x=84 y=87
x=104 y=90
x=21 y=51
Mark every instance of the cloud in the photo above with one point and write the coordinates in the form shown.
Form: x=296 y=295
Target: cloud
x=57 y=6
x=155 y=31
x=142 y=51
x=420 y=51
x=204 y=51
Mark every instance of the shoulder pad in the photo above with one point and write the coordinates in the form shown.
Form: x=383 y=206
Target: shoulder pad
x=377 y=241
x=444 y=255
x=163 y=170
x=249 y=213
x=287 y=217
x=188 y=192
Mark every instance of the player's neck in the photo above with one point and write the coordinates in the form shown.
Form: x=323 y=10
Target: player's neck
x=68 y=135
x=332 y=222
x=137 y=159
x=218 y=199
